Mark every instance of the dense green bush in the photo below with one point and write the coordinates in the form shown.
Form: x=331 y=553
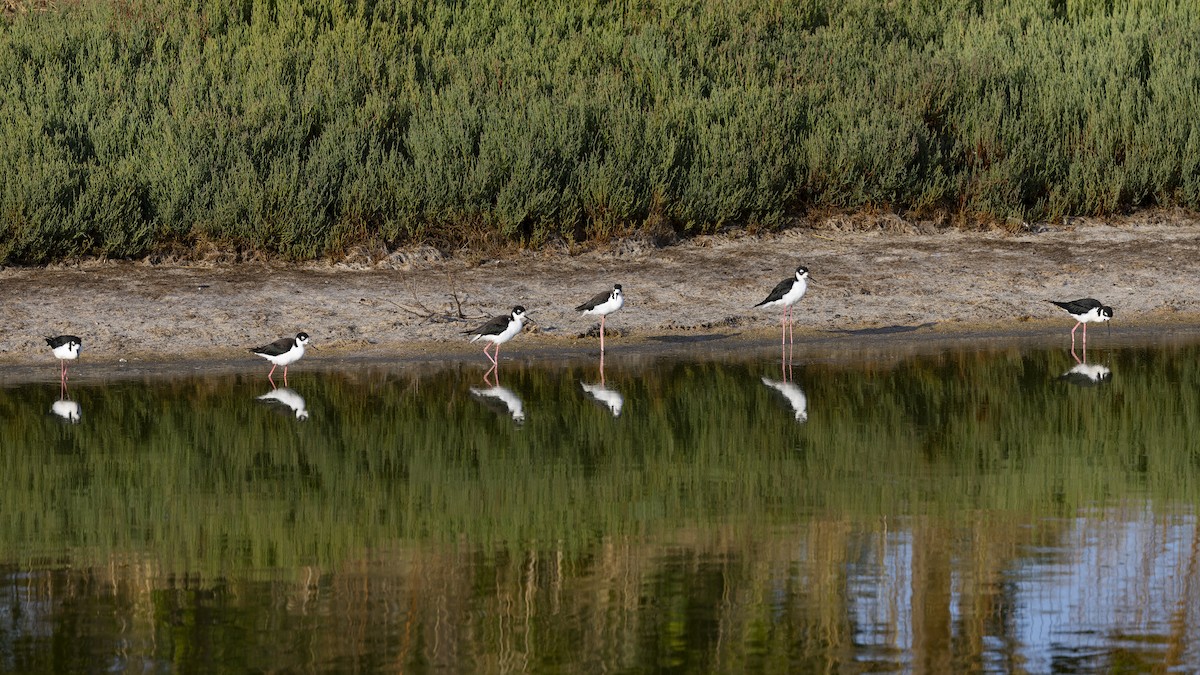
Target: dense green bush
x=304 y=127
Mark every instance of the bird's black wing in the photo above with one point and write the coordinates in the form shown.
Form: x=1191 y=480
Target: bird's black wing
x=1080 y=306
x=494 y=326
x=60 y=340
x=779 y=291
x=280 y=346
x=596 y=301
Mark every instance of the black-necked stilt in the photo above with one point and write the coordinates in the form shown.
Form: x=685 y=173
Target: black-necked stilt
x=65 y=348
x=787 y=293
x=793 y=393
x=603 y=304
x=283 y=352
x=1085 y=311
x=499 y=330
x=289 y=398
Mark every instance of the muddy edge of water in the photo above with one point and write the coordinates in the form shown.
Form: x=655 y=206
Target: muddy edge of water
x=889 y=344
x=868 y=288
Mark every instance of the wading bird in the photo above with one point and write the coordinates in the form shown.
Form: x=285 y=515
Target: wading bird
x=603 y=304
x=282 y=352
x=65 y=348
x=787 y=293
x=498 y=330
x=1085 y=311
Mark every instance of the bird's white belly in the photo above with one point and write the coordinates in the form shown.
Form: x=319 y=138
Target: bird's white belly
x=514 y=327
x=607 y=307
x=65 y=352
x=287 y=358
x=793 y=296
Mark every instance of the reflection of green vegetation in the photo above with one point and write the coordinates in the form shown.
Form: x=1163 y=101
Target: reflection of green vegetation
x=307 y=127
x=204 y=476
x=405 y=522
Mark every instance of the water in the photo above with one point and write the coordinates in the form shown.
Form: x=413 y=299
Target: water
x=949 y=512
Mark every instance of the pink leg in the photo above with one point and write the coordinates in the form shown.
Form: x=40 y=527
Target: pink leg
x=285 y=376
x=601 y=333
x=783 y=327
x=783 y=362
x=269 y=375
x=1085 y=338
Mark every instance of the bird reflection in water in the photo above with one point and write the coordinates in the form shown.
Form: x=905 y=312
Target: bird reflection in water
x=289 y=398
x=67 y=409
x=494 y=393
x=1084 y=374
x=787 y=386
x=609 y=398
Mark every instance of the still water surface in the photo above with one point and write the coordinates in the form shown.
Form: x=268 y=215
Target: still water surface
x=953 y=512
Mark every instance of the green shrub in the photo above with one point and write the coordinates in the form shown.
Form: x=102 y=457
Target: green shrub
x=304 y=127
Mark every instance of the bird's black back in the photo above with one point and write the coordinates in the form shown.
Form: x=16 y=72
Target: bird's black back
x=781 y=289
x=58 y=341
x=596 y=301
x=494 y=326
x=280 y=346
x=1080 y=306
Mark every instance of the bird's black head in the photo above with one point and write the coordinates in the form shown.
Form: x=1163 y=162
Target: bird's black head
x=302 y=337
x=802 y=272
x=518 y=312
x=616 y=287
x=1106 y=311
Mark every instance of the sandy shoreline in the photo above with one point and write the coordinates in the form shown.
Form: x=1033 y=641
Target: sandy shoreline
x=866 y=284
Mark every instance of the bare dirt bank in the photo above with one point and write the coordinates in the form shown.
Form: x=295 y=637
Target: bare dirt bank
x=864 y=283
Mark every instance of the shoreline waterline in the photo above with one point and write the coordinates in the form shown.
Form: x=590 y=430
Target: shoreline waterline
x=885 y=343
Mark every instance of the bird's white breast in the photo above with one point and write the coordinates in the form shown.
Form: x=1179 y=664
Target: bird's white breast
x=797 y=291
x=290 y=356
x=514 y=327
x=608 y=306
x=67 y=351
